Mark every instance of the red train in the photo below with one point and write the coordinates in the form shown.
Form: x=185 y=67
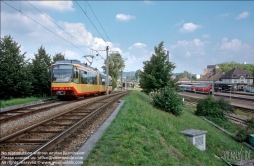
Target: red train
x=199 y=88
x=202 y=88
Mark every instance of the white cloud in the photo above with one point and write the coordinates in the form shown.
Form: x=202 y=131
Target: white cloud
x=242 y=15
x=148 y=2
x=194 y=47
x=225 y=15
x=70 y=54
x=189 y=27
x=19 y=22
x=79 y=32
x=56 y=5
x=124 y=17
x=205 y=36
x=137 y=45
x=233 y=45
x=32 y=35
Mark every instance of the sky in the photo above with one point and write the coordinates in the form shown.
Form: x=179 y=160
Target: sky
x=196 y=33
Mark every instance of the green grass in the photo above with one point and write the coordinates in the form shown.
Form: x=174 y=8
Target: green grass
x=143 y=135
x=12 y=102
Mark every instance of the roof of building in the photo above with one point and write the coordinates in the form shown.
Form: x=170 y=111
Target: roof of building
x=211 y=66
x=215 y=75
x=236 y=73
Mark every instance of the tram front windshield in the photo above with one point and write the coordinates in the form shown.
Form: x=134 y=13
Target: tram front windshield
x=62 y=73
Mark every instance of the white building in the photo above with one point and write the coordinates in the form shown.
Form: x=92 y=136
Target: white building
x=238 y=76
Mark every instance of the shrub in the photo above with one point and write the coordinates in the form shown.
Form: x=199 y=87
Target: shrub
x=250 y=126
x=243 y=133
x=167 y=100
x=211 y=107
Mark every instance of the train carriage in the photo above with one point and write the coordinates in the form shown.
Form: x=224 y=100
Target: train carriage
x=185 y=87
x=202 y=88
x=71 y=78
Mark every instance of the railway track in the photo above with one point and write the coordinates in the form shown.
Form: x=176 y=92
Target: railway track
x=26 y=110
x=27 y=145
x=237 y=120
x=244 y=105
x=238 y=96
x=12 y=114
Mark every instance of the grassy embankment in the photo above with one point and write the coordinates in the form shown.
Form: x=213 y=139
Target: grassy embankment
x=12 y=102
x=143 y=135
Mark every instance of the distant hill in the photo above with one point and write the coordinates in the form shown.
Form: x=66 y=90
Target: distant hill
x=132 y=73
x=128 y=74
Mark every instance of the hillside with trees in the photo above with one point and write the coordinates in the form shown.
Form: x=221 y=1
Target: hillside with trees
x=227 y=66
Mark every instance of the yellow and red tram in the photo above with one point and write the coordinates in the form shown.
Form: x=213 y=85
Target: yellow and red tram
x=71 y=78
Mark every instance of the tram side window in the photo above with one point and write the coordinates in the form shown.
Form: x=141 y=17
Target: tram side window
x=92 y=78
x=89 y=78
x=84 y=77
x=76 y=76
x=95 y=79
x=100 y=79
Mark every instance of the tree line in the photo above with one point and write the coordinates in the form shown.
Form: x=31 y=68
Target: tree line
x=24 y=78
x=227 y=66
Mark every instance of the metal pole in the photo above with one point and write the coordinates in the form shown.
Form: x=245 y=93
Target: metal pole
x=130 y=81
x=230 y=94
x=107 y=72
x=121 y=80
x=126 y=82
x=212 y=84
x=51 y=75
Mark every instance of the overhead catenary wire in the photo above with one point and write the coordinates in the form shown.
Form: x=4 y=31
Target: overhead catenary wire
x=187 y=61
x=98 y=21
x=43 y=26
x=91 y=22
x=57 y=24
x=61 y=27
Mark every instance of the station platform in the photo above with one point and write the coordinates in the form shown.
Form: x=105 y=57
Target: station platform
x=238 y=92
x=235 y=95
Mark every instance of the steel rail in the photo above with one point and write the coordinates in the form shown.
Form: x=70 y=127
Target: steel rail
x=44 y=121
x=62 y=135
x=25 y=111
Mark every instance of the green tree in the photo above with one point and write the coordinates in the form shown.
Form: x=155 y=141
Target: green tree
x=186 y=74
x=157 y=71
x=15 y=78
x=40 y=70
x=57 y=57
x=116 y=63
x=137 y=74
